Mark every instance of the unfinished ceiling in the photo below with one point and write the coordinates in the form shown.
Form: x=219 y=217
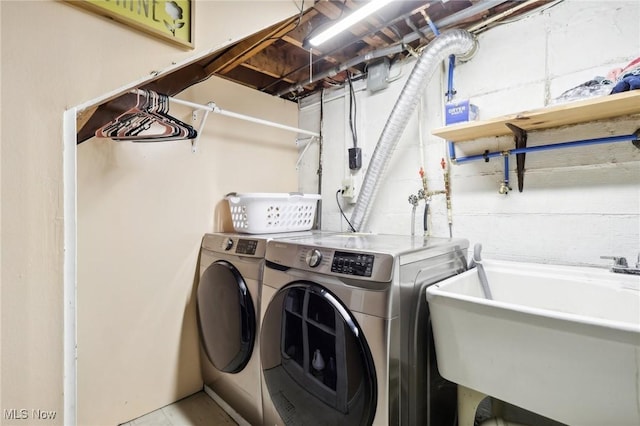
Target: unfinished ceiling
x=278 y=61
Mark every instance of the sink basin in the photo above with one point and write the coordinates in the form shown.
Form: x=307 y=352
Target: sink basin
x=561 y=341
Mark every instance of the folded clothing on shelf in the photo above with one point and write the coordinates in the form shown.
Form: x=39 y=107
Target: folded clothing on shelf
x=628 y=78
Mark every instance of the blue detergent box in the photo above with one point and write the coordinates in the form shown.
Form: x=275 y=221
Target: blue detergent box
x=458 y=112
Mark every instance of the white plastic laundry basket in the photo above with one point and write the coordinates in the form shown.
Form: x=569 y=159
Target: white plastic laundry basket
x=263 y=213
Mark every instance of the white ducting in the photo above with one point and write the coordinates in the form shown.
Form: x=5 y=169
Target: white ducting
x=450 y=42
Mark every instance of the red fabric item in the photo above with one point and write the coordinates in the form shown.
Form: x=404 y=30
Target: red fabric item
x=633 y=64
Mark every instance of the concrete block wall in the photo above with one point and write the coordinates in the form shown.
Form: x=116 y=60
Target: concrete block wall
x=577 y=205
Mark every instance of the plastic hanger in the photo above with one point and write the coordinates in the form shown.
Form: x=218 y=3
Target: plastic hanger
x=147 y=121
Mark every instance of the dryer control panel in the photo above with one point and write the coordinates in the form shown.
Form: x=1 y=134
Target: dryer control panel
x=234 y=244
x=246 y=246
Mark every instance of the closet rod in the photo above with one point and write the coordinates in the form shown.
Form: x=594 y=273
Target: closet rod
x=211 y=106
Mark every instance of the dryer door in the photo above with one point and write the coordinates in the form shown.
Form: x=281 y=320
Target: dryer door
x=316 y=362
x=226 y=317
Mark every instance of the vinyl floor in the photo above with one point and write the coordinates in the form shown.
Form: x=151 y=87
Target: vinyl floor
x=195 y=410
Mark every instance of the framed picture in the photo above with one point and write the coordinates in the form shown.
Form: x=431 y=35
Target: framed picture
x=170 y=20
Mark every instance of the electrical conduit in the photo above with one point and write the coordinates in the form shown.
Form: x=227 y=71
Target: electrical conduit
x=451 y=42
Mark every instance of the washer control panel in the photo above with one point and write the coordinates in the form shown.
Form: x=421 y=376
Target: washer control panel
x=358 y=264
x=361 y=265
x=314 y=258
x=246 y=246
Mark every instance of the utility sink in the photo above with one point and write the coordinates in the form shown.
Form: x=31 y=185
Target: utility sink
x=561 y=341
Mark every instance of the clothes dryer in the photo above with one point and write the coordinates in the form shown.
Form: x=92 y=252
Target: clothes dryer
x=345 y=335
x=228 y=307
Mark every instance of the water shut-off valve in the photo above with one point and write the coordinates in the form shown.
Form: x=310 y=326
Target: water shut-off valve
x=425 y=194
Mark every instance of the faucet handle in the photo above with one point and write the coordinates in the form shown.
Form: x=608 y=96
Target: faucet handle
x=618 y=261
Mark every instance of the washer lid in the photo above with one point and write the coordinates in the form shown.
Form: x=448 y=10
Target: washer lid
x=226 y=317
x=373 y=243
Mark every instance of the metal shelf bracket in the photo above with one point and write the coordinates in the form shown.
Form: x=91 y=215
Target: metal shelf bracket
x=520 y=139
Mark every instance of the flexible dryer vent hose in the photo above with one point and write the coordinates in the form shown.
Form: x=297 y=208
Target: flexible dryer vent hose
x=456 y=42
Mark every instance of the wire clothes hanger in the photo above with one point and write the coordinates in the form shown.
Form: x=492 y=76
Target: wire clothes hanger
x=147 y=121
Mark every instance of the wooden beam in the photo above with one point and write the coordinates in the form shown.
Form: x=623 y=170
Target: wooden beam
x=295 y=37
x=178 y=80
x=278 y=62
x=254 y=44
x=265 y=71
x=84 y=116
x=244 y=49
x=292 y=41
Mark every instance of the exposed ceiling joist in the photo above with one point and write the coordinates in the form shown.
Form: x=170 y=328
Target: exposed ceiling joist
x=277 y=61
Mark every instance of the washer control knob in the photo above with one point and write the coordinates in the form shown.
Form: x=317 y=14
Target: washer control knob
x=314 y=257
x=228 y=244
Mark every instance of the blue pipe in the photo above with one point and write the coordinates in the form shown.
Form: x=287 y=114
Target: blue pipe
x=433 y=27
x=452 y=151
x=610 y=139
x=506 y=170
x=483 y=157
x=452 y=61
x=450 y=91
x=586 y=142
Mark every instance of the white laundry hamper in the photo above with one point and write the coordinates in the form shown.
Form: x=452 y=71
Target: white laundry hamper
x=263 y=213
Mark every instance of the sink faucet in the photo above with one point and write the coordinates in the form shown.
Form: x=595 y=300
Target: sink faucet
x=621 y=266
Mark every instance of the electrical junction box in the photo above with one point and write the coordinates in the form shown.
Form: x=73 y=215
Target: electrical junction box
x=459 y=112
x=378 y=75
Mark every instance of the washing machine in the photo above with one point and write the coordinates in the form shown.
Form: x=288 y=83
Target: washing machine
x=345 y=336
x=228 y=309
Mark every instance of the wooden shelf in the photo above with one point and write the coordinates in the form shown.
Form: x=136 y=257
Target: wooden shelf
x=583 y=111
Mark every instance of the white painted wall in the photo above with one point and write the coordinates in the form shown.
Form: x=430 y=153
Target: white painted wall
x=577 y=204
x=142 y=208
x=142 y=211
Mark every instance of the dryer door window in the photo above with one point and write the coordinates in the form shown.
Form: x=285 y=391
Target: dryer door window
x=226 y=317
x=316 y=362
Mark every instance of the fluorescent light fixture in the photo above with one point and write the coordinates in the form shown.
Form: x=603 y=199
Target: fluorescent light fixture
x=357 y=16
